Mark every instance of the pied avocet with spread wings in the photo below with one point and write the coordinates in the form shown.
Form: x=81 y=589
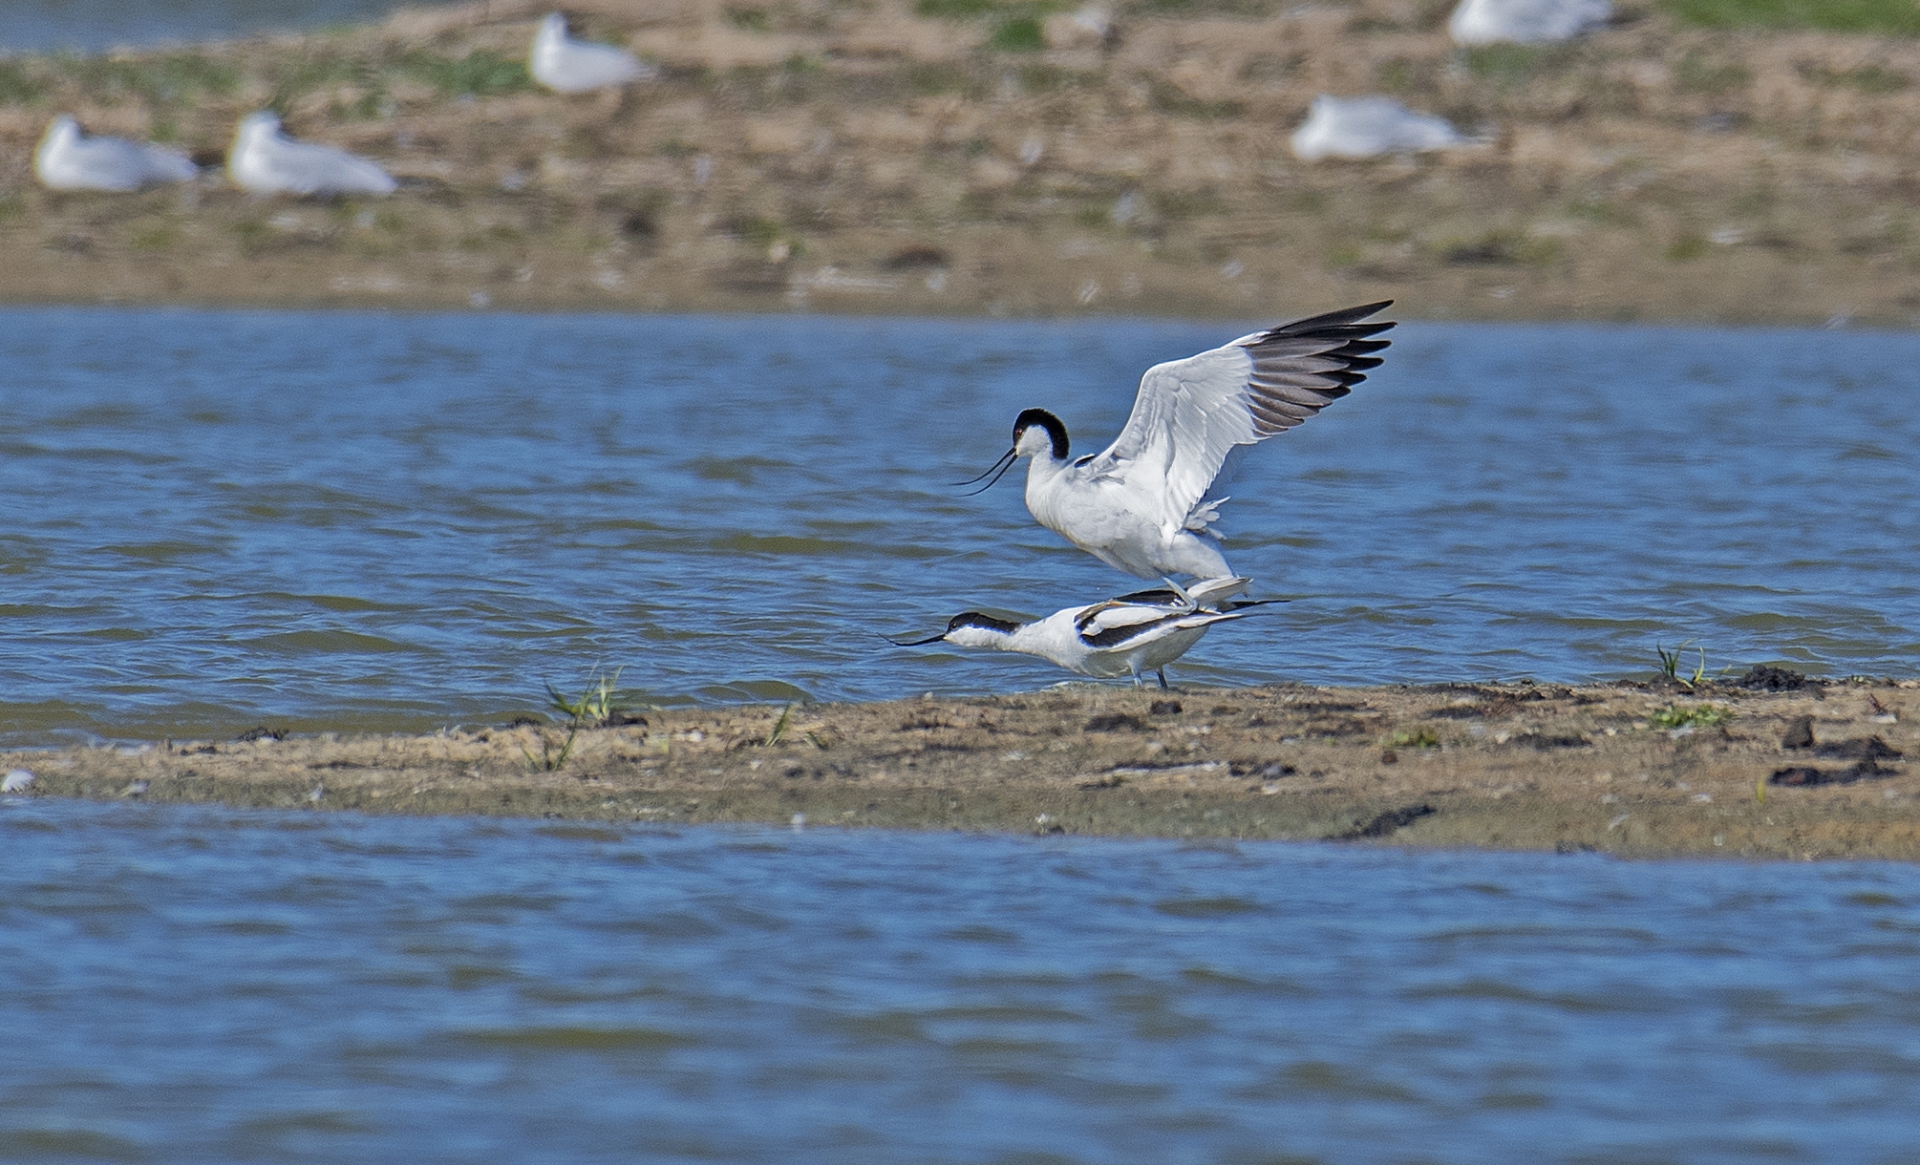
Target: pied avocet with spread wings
x=1143 y=505
x=1131 y=635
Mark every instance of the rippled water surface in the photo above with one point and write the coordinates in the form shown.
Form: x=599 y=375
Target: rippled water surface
x=214 y=520
x=92 y=25
x=191 y=984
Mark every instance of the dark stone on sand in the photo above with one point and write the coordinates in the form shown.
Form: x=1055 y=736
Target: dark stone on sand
x=1392 y=821
x=1164 y=708
x=1802 y=775
x=1116 y=722
x=1765 y=678
x=1869 y=748
x=1799 y=733
x=1545 y=743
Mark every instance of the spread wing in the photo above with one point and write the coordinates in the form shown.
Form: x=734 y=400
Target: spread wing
x=1189 y=414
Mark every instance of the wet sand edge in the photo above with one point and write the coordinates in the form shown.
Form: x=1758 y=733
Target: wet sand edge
x=1649 y=770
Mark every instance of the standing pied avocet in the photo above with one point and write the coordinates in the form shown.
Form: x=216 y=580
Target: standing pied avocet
x=68 y=159
x=1142 y=505
x=262 y=160
x=1133 y=634
x=566 y=65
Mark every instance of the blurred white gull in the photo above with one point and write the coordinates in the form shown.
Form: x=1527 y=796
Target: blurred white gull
x=68 y=159
x=265 y=161
x=1131 y=635
x=1525 y=21
x=566 y=65
x=1366 y=127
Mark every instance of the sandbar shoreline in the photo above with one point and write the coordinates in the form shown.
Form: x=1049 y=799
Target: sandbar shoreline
x=1631 y=769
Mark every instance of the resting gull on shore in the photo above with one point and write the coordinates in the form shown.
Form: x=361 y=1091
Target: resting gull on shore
x=566 y=65
x=265 y=161
x=1366 y=127
x=1477 y=22
x=68 y=159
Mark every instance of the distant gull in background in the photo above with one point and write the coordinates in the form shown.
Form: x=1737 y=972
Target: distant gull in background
x=1131 y=635
x=1145 y=504
x=1366 y=127
x=1525 y=21
x=566 y=65
x=68 y=159
x=265 y=161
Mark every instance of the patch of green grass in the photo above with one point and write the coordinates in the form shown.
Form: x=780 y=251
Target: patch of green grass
x=1898 y=17
x=162 y=79
x=1697 y=74
x=1501 y=249
x=1398 y=75
x=593 y=708
x=1697 y=716
x=750 y=19
x=1171 y=99
x=157 y=238
x=483 y=73
x=1508 y=65
x=779 y=727
x=1873 y=79
x=938 y=79
x=761 y=232
x=20 y=84
x=1670 y=664
x=956 y=9
x=1421 y=737
x=1021 y=34
x=1186 y=204
x=1688 y=247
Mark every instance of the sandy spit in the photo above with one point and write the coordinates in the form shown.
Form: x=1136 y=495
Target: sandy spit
x=1821 y=771
x=878 y=156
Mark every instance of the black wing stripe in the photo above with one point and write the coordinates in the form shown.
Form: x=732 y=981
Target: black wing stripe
x=1120 y=636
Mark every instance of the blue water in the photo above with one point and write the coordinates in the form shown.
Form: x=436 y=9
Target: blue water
x=202 y=985
x=94 y=25
x=220 y=519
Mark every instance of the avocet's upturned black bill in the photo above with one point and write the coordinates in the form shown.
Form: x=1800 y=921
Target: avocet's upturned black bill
x=1131 y=635
x=1142 y=506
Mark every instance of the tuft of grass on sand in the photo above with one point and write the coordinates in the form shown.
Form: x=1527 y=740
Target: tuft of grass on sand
x=481 y=73
x=592 y=708
x=1697 y=716
x=1897 y=17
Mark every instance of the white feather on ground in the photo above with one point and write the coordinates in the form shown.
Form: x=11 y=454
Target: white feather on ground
x=68 y=159
x=1366 y=127
x=1477 y=22
x=263 y=160
x=566 y=65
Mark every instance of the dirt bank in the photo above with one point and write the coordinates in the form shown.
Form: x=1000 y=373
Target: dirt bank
x=1821 y=771
x=958 y=156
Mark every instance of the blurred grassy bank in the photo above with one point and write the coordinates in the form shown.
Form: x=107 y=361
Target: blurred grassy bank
x=1730 y=160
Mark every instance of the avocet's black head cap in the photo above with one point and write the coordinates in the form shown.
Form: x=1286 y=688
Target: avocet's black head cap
x=976 y=619
x=1056 y=432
